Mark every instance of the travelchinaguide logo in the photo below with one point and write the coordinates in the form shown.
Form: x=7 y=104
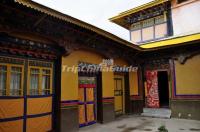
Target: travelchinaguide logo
x=107 y=65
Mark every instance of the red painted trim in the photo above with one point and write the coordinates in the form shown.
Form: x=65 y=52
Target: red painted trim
x=37 y=54
x=108 y=99
x=87 y=86
x=136 y=97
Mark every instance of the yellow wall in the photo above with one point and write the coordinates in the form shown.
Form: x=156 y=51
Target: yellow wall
x=39 y=124
x=108 y=84
x=11 y=126
x=188 y=76
x=10 y=108
x=120 y=62
x=70 y=79
x=39 y=105
x=133 y=80
x=133 y=77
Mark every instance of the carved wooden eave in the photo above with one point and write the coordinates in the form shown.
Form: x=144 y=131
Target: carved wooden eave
x=183 y=57
x=20 y=19
x=145 y=11
x=27 y=48
x=178 y=52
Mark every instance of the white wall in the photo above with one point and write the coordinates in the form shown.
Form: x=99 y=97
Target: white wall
x=186 y=17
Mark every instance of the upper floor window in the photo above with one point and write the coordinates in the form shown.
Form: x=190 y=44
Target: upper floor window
x=159 y=19
x=136 y=26
x=148 y=23
x=149 y=29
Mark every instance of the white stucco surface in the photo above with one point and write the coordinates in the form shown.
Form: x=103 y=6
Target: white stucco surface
x=186 y=17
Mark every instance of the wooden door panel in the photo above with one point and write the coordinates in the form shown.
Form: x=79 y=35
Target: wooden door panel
x=90 y=94
x=118 y=93
x=87 y=114
x=118 y=103
x=81 y=114
x=81 y=95
x=90 y=113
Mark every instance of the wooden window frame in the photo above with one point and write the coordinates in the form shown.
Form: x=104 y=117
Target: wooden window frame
x=50 y=79
x=147 y=21
x=135 y=26
x=8 y=78
x=164 y=20
x=40 y=79
x=154 y=25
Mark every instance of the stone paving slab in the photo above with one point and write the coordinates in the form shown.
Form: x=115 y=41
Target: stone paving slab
x=144 y=124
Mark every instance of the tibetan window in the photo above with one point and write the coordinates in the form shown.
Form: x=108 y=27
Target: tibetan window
x=3 y=78
x=40 y=79
x=46 y=77
x=34 y=81
x=11 y=79
x=149 y=29
x=15 y=81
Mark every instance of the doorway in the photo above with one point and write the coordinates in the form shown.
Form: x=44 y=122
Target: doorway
x=119 y=95
x=163 y=89
x=90 y=98
x=87 y=101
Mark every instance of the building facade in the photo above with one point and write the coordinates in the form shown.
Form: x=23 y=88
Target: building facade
x=42 y=51
x=37 y=44
x=167 y=76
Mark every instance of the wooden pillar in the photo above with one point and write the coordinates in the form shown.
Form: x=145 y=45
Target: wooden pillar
x=57 y=95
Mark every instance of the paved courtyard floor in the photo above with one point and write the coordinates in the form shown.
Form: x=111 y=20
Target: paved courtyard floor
x=144 y=124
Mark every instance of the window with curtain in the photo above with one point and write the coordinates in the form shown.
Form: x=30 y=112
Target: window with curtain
x=15 y=81
x=11 y=80
x=45 y=82
x=34 y=81
x=3 y=78
x=40 y=81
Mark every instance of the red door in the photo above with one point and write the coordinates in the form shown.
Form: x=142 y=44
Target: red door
x=152 y=89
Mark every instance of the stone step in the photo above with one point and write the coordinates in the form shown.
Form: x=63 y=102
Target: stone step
x=157 y=112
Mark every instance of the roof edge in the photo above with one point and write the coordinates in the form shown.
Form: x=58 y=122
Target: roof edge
x=137 y=9
x=70 y=19
x=171 y=42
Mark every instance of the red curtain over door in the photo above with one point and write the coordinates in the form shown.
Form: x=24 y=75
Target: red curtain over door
x=152 y=89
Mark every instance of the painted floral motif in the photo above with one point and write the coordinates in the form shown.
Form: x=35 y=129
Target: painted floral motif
x=152 y=89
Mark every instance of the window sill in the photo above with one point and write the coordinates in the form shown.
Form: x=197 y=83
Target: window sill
x=152 y=40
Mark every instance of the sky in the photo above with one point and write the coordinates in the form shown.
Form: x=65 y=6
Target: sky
x=95 y=12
